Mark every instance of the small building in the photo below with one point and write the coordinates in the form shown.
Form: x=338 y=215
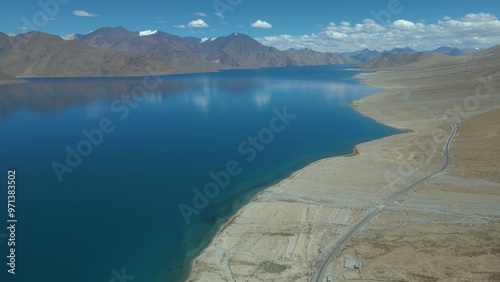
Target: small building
x=353 y=264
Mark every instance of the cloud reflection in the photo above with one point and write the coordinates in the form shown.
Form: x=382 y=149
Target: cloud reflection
x=53 y=94
x=201 y=102
x=48 y=95
x=262 y=100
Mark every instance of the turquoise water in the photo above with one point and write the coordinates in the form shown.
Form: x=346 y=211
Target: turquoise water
x=101 y=175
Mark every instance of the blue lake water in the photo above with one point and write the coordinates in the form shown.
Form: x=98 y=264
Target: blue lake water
x=117 y=208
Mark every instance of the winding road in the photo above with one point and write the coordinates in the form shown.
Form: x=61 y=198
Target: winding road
x=376 y=210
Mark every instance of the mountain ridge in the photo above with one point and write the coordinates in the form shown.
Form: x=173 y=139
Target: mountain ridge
x=116 y=51
x=41 y=54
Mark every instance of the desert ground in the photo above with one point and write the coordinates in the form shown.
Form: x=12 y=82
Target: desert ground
x=359 y=218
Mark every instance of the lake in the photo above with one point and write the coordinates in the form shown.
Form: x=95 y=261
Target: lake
x=131 y=177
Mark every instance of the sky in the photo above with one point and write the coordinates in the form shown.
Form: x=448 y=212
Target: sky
x=322 y=25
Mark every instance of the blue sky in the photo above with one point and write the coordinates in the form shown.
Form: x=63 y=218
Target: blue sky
x=289 y=23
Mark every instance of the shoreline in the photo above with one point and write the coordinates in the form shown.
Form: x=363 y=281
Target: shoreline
x=21 y=79
x=13 y=82
x=283 y=232
x=290 y=177
x=296 y=173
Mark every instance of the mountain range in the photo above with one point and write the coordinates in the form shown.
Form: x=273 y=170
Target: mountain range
x=120 y=52
x=391 y=59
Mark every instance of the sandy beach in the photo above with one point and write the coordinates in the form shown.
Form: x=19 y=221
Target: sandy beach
x=444 y=228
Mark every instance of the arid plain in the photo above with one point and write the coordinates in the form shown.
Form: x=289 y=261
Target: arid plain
x=445 y=228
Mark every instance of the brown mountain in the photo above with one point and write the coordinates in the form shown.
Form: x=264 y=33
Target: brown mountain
x=119 y=52
x=169 y=49
x=106 y=38
x=41 y=54
x=394 y=60
x=311 y=57
x=190 y=53
x=242 y=51
x=488 y=60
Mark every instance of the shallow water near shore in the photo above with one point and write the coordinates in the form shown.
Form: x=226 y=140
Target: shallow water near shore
x=117 y=208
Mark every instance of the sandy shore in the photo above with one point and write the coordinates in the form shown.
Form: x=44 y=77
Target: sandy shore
x=445 y=229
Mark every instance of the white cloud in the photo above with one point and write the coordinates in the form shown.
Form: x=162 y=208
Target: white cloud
x=199 y=23
x=81 y=13
x=403 y=25
x=481 y=17
x=261 y=24
x=181 y=26
x=473 y=30
x=200 y=14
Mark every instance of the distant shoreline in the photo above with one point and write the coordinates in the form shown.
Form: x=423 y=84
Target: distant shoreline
x=4 y=82
x=22 y=78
